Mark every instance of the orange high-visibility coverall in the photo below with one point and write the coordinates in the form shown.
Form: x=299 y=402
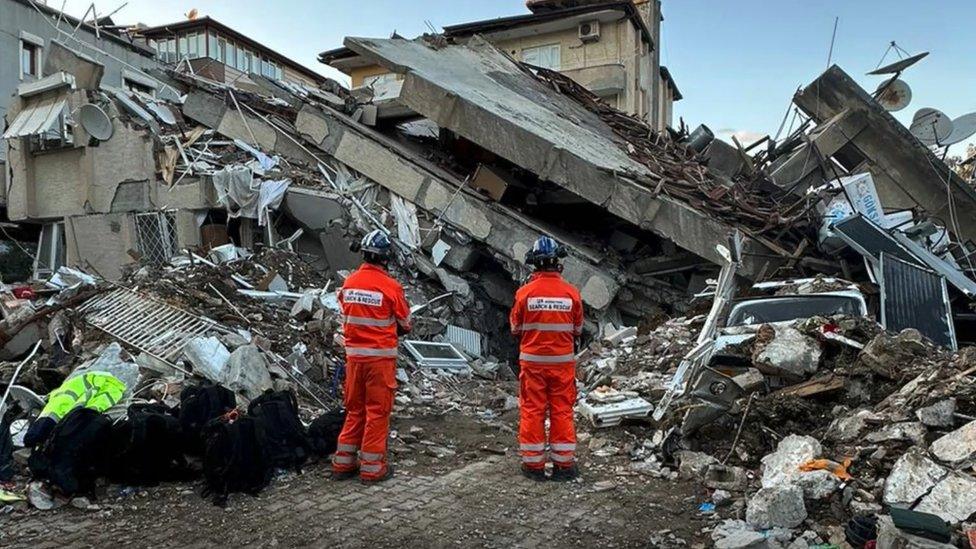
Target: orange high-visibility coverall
x=547 y=316
x=373 y=307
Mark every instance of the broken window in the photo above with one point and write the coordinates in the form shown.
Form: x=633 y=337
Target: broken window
x=50 y=251
x=436 y=355
x=30 y=60
x=156 y=236
x=59 y=135
x=763 y=311
x=379 y=80
x=547 y=57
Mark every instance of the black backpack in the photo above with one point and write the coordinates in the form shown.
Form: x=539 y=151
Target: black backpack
x=287 y=442
x=76 y=453
x=199 y=404
x=149 y=447
x=235 y=458
x=323 y=433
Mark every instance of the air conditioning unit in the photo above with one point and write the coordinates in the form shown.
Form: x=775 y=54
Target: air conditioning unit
x=589 y=31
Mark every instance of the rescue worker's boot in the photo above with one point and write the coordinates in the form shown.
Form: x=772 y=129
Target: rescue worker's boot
x=345 y=475
x=387 y=476
x=538 y=475
x=565 y=474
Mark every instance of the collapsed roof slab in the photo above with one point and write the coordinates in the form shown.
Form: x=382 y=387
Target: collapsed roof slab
x=402 y=172
x=905 y=171
x=479 y=93
x=364 y=150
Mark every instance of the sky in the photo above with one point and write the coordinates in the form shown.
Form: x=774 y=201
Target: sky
x=737 y=62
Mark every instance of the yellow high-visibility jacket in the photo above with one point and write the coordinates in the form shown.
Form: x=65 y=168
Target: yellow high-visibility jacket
x=96 y=390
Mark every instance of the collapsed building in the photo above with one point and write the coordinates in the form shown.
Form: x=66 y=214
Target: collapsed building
x=482 y=155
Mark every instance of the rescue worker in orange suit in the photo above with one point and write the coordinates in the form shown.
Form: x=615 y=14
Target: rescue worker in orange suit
x=375 y=312
x=547 y=319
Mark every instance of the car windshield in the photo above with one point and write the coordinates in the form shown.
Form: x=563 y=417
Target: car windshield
x=781 y=309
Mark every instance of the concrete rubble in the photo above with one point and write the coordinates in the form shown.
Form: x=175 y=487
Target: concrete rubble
x=749 y=346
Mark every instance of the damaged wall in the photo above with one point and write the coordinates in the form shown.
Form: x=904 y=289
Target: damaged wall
x=117 y=175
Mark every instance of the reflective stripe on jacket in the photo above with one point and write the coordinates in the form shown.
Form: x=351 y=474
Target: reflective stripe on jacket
x=373 y=306
x=548 y=316
x=96 y=390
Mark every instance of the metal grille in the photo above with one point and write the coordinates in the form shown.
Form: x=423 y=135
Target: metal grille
x=151 y=326
x=914 y=297
x=156 y=233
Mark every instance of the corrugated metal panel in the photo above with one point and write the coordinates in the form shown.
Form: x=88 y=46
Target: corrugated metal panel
x=468 y=340
x=37 y=118
x=915 y=297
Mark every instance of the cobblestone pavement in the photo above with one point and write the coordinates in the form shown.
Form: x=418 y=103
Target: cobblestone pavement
x=483 y=503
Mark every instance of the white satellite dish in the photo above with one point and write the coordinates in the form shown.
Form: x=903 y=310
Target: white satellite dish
x=962 y=128
x=931 y=126
x=894 y=95
x=95 y=122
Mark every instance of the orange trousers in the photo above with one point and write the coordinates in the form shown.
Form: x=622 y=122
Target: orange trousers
x=369 y=391
x=549 y=388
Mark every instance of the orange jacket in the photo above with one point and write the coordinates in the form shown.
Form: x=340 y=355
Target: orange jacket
x=548 y=316
x=373 y=305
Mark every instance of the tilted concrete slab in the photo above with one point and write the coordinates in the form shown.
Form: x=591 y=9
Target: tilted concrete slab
x=479 y=93
x=906 y=173
x=505 y=232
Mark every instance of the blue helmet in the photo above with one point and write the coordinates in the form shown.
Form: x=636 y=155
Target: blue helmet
x=545 y=251
x=377 y=242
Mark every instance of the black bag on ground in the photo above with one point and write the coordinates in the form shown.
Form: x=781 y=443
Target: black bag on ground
x=199 y=404
x=323 y=433
x=77 y=452
x=6 y=450
x=235 y=458
x=287 y=442
x=149 y=447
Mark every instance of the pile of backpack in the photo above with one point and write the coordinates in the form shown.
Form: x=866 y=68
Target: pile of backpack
x=239 y=450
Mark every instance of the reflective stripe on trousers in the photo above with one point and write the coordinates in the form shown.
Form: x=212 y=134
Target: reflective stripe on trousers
x=547 y=359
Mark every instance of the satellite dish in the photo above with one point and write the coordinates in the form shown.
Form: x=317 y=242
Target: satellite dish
x=962 y=128
x=900 y=65
x=894 y=95
x=95 y=122
x=931 y=126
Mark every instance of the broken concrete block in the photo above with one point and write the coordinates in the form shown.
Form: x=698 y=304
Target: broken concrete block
x=911 y=431
x=890 y=356
x=818 y=484
x=693 y=464
x=788 y=353
x=726 y=477
x=736 y=534
x=958 y=447
x=850 y=427
x=783 y=465
x=778 y=506
x=953 y=499
x=304 y=307
x=892 y=537
x=750 y=380
x=939 y=414
x=912 y=476
x=247 y=372
x=208 y=356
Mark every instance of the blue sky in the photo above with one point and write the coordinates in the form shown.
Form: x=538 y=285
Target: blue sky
x=736 y=62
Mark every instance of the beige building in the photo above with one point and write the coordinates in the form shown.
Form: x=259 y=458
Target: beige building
x=611 y=48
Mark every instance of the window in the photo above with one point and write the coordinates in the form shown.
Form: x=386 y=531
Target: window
x=547 y=57
x=201 y=47
x=182 y=48
x=230 y=54
x=156 y=236
x=379 y=80
x=213 y=48
x=50 y=251
x=167 y=53
x=30 y=60
x=241 y=59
